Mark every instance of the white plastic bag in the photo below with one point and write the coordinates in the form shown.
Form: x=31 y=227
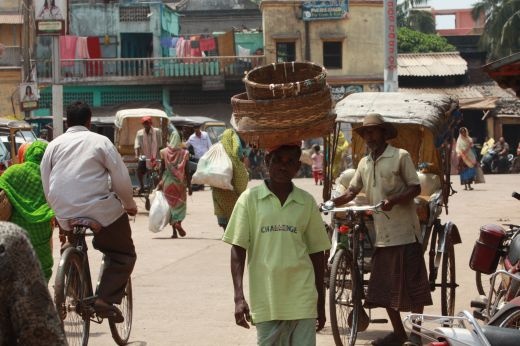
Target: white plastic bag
x=214 y=168
x=159 y=213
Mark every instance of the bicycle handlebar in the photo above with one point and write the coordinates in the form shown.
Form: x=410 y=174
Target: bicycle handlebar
x=328 y=207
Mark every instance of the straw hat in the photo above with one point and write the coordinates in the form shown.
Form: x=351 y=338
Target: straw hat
x=375 y=119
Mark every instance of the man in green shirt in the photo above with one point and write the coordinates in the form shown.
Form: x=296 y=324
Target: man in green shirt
x=280 y=228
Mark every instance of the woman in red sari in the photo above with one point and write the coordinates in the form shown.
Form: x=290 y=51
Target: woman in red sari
x=175 y=180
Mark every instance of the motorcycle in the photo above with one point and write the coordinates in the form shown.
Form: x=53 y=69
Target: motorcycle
x=459 y=330
x=491 y=162
x=493 y=246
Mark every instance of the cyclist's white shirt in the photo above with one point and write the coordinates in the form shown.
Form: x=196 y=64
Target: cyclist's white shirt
x=75 y=170
x=392 y=172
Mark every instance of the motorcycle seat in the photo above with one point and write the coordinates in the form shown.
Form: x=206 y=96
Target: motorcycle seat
x=498 y=336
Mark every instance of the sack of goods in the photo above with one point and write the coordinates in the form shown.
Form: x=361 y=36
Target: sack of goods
x=214 y=168
x=284 y=102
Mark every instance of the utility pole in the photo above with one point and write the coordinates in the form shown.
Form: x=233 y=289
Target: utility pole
x=26 y=45
x=390 y=74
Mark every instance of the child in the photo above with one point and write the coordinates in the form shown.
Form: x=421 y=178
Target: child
x=280 y=228
x=317 y=165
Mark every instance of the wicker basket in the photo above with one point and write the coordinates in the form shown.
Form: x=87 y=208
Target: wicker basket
x=5 y=207
x=266 y=138
x=283 y=113
x=284 y=80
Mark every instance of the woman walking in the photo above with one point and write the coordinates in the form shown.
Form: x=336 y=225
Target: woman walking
x=175 y=180
x=467 y=159
x=22 y=184
x=224 y=200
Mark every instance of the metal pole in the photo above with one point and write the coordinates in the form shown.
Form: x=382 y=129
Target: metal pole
x=57 y=89
x=26 y=51
x=390 y=75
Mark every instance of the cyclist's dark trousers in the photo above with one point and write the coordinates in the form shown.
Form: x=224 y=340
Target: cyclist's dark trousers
x=115 y=242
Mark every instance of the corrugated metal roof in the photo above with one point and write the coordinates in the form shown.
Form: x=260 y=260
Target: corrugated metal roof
x=465 y=92
x=11 y=19
x=431 y=64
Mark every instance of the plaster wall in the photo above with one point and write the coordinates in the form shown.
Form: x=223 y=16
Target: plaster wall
x=9 y=81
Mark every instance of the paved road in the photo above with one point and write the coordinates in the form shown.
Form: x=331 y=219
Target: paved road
x=182 y=287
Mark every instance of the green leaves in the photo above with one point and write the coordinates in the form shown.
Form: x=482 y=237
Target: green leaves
x=411 y=41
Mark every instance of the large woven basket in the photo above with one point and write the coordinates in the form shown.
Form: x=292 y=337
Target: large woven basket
x=265 y=138
x=283 y=113
x=284 y=80
x=5 y=207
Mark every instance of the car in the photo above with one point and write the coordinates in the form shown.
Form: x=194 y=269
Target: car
x=14 y=133
x=186 y=126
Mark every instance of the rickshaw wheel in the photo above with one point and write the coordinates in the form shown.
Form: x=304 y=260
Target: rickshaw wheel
x=448 y=285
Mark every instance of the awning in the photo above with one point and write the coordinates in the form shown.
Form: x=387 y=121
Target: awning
x=470 y=97
x=431 y=65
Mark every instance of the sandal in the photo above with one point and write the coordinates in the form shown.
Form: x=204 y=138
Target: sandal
x=109 y=311
x=389 y=340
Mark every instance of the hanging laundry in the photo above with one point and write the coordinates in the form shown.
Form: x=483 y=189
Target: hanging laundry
x=82 y=48
x=68 y=49
x=243 y=51
x=174 y=42
x=207 y=44
x=166 y=42
x=179 y=47
x=94 y=68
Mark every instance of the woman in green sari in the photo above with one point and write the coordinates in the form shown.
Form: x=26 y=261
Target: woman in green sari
x=224 y=200
x=22 y=184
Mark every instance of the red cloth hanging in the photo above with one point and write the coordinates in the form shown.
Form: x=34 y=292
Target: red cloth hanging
x=94 y=68
x=207 y=44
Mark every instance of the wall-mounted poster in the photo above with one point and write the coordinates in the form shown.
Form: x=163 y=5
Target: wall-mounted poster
x=29 y=96
x=50 y=16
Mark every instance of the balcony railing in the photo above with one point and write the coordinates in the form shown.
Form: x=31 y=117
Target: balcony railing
x=12 y=56
x=128 y=69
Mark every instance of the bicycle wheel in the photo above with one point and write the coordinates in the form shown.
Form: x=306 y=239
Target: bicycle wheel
x=70 y=289
x=343 y=304
x=121 y=331
x=448 y=284
x=509 y=320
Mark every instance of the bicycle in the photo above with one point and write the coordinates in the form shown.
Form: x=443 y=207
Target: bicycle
x=351 y=245
x=351 y=252
x=73 y=293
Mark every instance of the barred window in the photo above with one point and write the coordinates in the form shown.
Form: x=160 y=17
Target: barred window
x=134 y=14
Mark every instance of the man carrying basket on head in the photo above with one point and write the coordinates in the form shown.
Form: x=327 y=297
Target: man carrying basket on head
x=148 y=142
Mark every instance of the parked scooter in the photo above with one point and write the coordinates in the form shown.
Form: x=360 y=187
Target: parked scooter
x=493 y=246
x=491 y=162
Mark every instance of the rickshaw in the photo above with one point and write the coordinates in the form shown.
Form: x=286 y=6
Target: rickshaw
x=425 y=124
x=127 y=122
x=13 y=133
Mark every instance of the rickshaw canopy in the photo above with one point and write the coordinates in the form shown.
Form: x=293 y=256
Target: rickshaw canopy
x=423 y=121
x=128 y=121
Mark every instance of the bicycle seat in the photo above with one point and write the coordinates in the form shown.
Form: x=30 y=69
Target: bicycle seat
x=501 y=336
x=86 y=222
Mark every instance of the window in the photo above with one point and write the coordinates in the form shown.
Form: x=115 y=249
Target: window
x=332 y=54
x=285 y=51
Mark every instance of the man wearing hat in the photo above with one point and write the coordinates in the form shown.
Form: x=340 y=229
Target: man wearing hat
x=148 y=142
x=398 y=280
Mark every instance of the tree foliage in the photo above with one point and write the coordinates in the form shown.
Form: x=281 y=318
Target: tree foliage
x=501 y=28
x=411 y=41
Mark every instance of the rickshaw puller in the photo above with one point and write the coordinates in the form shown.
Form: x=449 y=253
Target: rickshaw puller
x=398 y=281
x=148 y=142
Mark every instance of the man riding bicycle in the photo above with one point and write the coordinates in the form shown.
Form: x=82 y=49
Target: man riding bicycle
x=75 y=171
x=148 y=143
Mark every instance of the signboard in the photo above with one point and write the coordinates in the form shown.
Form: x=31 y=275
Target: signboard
x=324 y=10
x=50 y=16
x=213 y=82
x=29 y=96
